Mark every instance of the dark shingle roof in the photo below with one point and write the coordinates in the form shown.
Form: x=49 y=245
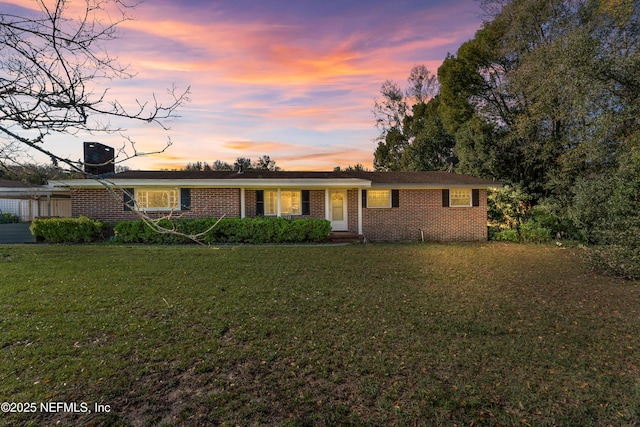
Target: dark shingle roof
x=374 y=177
x=7 y=183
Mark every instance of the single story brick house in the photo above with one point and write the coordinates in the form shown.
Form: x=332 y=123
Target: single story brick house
x=381 y=206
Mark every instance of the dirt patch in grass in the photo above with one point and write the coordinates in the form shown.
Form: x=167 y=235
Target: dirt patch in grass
x=470 y=334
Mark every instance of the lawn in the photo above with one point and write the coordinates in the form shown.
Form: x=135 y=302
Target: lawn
x=376 y=334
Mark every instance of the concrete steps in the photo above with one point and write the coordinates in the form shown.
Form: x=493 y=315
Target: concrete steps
x=345 y=237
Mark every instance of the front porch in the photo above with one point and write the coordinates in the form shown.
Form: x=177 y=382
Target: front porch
x=346 y=237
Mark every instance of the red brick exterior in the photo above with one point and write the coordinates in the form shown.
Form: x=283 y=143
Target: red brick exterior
x=418 y=209
x=422 y=209
x=99 y=203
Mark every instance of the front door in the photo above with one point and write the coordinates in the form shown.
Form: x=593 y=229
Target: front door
x=338 y=210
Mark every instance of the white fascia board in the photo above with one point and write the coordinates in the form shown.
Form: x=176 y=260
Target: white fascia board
x=216 y=183
x=417 y=186
x=33 y=191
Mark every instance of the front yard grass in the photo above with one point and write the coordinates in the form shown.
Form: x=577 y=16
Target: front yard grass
x=403 y=334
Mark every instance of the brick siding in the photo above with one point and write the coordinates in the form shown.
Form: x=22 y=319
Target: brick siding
x=99 y=203
x=422 y=209
x=418 y=209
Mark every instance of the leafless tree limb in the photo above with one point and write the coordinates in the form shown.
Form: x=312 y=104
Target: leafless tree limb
x=55 y=77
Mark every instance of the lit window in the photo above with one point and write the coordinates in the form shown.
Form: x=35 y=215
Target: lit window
x=460 y=197
x=290 y=203
x=270 y=202
x=157 y=199
x=379 y=198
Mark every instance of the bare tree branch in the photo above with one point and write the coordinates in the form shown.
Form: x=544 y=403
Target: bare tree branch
x=55 y=77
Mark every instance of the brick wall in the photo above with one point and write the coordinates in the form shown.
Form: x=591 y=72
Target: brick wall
x=99 y=203
x=418 y=209
x=352 y=210
x=422 y=209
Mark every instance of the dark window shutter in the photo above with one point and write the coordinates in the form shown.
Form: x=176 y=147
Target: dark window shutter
x=127 y=199
x=364 y=198
x=306 y=202
x=475 y=197
x=185 y=199
x=395 y=198
x=260 y=202
x=445 y=198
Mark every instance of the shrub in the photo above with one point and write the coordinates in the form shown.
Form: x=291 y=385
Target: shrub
x=67 y=230
x=606 y=212
x=617 y=260
x=509 y=235
x=8 y=218
x=529 y=232
x=507 y=207
x=228 y=230
x=552 y=216
x=532 y=232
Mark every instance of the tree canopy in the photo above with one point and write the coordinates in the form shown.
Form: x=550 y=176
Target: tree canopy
x=546 y=92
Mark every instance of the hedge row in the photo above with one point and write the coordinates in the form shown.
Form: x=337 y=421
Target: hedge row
x=68 y=230
x=206 y=230
x=228 y=230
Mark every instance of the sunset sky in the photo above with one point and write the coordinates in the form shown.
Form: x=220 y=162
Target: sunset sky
x=294 y=80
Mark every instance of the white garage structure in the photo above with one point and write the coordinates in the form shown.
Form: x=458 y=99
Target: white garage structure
x=30 y=201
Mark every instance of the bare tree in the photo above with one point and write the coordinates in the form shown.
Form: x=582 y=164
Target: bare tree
x=55 y=76
x=390 y=108
x=423 y=84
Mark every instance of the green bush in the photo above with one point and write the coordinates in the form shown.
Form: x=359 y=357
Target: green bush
x=8 y=218
x=606 y=211
x=68 y=230
x=529 y=232
x=617 y=260
x=507 y=207
x=532 y=232
x=553 y=217
x=509 y=235
x=228 y=230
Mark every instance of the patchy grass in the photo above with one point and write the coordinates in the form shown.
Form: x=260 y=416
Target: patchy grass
x=477 y=334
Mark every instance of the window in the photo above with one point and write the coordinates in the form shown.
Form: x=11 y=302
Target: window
x=290 y=202
x=270 y=202
x=157 y=199
x=379 y=198
x=460 y=197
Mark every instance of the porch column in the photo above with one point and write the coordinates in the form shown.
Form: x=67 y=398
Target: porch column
x=327 y=205
x=359 y=210
x=242 y=203
x=278 y=211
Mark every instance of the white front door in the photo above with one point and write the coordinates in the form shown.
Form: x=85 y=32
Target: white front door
x=338 y=210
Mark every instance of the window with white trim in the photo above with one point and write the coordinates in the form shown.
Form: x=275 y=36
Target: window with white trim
x=157 y=199
x=290 y=202
x=460 y=197
x=378 y=198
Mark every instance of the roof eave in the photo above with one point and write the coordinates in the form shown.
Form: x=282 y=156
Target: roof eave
x=434 y=186
x=216 y=183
